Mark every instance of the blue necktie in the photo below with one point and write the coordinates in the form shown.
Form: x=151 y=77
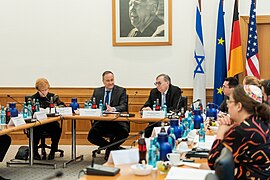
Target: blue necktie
x=106 y=99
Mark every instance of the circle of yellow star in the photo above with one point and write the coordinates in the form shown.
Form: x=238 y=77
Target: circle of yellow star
x=221 y=41
x=219 y=90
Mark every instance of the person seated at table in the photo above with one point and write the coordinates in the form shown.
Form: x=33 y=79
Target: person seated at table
x=164 y=92
x=53 y=128
x=246 y=133
x=251 y=80
x=5 y=142
x=266 y=91
x=114 y=99
x=228 y=86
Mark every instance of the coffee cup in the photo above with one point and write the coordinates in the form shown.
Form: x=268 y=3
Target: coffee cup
x=174 y=158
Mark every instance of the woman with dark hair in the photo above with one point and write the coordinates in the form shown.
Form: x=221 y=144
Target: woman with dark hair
x=246 y=133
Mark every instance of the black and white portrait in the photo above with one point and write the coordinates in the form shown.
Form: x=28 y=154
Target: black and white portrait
x=141 y=21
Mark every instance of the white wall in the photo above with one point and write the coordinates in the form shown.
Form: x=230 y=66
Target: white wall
x=70 y=43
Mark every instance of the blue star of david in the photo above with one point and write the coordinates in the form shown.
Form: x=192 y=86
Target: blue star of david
x=199 y=68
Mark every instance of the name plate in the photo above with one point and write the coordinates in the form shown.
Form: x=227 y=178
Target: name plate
x=153 y=114
x=90 y=112
x=16 y=121
x=65 y=111
x=40 y=115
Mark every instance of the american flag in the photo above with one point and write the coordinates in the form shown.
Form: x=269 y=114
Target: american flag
x=252 y=63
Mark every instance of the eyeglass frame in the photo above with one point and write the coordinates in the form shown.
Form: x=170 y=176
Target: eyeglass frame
x=229 y=101
x=157 y=83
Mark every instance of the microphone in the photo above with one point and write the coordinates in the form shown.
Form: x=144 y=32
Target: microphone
x=96 y=169
x=56 y=175
x=9 y=96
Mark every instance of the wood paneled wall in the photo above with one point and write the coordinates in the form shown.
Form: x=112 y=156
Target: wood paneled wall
x=137 y=97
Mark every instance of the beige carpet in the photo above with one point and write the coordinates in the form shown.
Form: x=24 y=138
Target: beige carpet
x=19 y=172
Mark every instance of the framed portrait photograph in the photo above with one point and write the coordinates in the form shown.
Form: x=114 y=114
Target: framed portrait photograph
x=141 y=22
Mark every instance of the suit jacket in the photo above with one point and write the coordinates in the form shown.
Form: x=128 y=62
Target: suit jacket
x=118 y=100
x=223 y=107
x=172 y=98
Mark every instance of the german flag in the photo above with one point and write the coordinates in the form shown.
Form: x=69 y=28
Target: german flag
x=235 y=65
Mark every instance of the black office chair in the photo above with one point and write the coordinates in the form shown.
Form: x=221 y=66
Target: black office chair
x=224 y=166
x=44 y=135
x=43 y=146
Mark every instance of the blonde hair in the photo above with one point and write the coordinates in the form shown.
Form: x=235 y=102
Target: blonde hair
x=251 y=80
x=42 y=83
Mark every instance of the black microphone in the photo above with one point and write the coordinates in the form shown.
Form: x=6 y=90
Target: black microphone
x=9 y=96
x=95 y=169
x=56 y=175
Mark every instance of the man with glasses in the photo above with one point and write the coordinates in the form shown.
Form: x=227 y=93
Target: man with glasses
x=165 y=92
x=228 y=86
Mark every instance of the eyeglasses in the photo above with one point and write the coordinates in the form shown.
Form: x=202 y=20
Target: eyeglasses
x=157 y=83
x=225 y=86
x=229 y=101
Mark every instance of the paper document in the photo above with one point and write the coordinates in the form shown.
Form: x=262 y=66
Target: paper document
x=176 y=173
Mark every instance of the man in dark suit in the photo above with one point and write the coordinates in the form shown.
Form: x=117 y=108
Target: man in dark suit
x=228 y=86
x=164 y=92
x=114 y=99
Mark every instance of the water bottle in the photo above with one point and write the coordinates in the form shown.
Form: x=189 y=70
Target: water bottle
x=164 y=146
x=90 y=104
x=142 y=148
x=74 y=104
x=152 y=156
x=177 y=128
x=86 y=105
x=197 y=118
x=172 y=138
x=3 y=115
x=37 y=106
x=29 y=105
x=164 y=108
x=25 y=111
x=100 y=105
x=202 y=133
x=154 y=106
x=94 y=104
x=33 y=106
x=157 y=106
x=162 y=129
x=13 y=110
x=8 y=115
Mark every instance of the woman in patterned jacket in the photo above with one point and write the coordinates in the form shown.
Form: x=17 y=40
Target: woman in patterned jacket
x=246 y=133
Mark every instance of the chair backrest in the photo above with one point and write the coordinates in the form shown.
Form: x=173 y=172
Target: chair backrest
x=224 y=166
x=184 y=102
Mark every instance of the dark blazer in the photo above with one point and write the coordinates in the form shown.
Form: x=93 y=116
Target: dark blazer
x=45 y=101
x=172 y=98
x=118 y=100
x=223 y=107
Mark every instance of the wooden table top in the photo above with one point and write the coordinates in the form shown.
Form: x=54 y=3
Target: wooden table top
x=126 y=173
x=116 y=117
x=5 y=129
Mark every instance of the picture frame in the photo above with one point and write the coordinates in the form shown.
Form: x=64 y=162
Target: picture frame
x=126 y=24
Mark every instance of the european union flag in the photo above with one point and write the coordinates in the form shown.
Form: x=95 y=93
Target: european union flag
x=220 y=62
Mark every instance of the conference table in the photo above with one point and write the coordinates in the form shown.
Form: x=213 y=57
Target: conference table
x=5 y=129
x=126 y=173
x=106 y=117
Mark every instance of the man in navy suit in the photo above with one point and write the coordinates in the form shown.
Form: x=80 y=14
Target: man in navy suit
x=114 y=99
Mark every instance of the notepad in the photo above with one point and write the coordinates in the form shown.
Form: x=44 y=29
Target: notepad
x=177 y=173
